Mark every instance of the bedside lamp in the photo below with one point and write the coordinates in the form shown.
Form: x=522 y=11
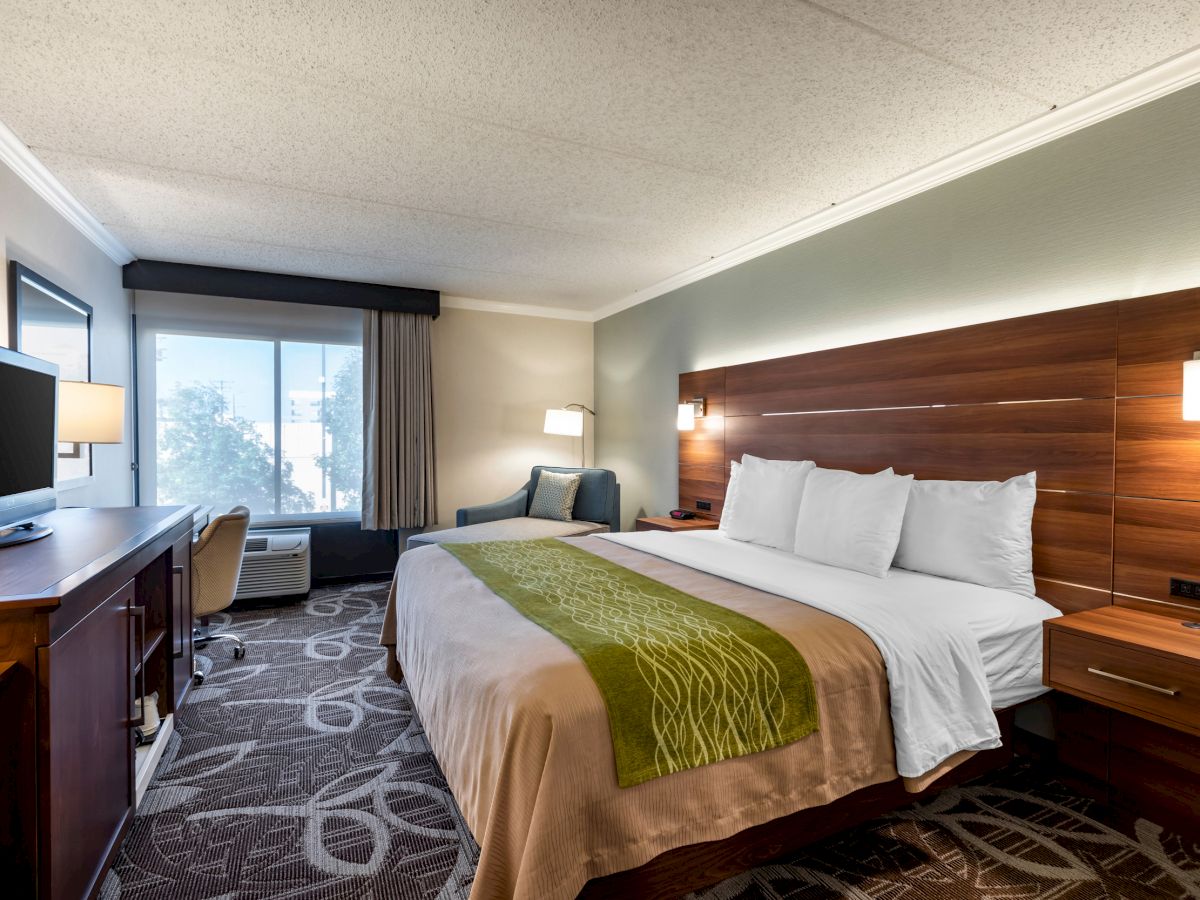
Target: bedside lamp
x=90 y=413
x=685 y=418
x=1191 y=389
x=568 y=421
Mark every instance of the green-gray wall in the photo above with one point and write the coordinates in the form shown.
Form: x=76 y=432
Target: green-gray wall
x=1109 y=212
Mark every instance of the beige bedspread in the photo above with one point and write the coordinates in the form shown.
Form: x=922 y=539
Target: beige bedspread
x=522 y=735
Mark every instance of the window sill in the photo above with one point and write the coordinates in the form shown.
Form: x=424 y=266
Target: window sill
x=71 y=484
x=297 y=520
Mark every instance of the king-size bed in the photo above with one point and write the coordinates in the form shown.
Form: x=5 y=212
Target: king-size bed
x=914 y=656
x=522 y=731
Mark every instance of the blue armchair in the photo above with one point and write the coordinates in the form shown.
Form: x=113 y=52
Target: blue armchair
x=598 y=500
x=597 y=508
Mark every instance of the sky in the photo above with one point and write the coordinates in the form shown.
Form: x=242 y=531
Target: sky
x=244 y=369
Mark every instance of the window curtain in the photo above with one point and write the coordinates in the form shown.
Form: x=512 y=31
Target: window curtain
x=399 y=471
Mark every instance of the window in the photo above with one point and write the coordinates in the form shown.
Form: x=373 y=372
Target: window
x=272 y=424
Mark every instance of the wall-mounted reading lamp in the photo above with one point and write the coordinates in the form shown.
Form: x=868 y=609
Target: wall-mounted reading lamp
x=1191 y=389
x=689 y=413
x=569 y=421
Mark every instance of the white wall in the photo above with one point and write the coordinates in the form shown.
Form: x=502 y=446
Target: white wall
x=38 y=237
x=495 y=375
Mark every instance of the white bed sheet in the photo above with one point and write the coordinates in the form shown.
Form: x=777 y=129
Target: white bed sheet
x=953 y=650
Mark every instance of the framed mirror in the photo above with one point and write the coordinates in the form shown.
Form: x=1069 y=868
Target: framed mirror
x=47 y=322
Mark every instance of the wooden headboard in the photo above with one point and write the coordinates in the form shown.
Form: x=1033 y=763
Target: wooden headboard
x=1087 y=397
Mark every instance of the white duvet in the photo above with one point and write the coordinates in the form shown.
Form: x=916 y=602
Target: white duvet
x=953 y=651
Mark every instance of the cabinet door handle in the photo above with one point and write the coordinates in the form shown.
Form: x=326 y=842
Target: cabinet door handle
x=1134 y=682
x=139 y=684
x=181 y=626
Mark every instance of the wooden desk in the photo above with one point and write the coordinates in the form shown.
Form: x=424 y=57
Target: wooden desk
x=200 y=519
x=91 y=617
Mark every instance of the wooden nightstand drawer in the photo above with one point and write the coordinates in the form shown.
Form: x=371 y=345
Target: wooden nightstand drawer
x=1126 y=678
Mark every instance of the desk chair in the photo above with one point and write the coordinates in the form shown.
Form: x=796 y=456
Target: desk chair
x=216 y=564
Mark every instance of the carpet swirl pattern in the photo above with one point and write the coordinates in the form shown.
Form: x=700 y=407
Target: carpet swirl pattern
x=302 y=771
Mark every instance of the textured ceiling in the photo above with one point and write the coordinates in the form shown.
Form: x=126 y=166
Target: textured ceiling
x=560 y=153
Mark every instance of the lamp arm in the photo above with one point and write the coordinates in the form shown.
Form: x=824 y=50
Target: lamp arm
x=583 y=434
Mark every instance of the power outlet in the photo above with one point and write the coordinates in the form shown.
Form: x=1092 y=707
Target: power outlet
x=1188 y=589
x=707 y=505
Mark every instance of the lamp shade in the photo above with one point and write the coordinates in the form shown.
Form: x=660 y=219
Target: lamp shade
x=564 y=421
x=686 y=419
x=90 y=413
x=1191 y=390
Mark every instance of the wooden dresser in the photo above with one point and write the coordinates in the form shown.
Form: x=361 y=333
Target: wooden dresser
x=91 y=617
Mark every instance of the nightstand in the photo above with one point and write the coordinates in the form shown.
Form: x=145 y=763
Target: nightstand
x=1140 y=663
x=666 y=523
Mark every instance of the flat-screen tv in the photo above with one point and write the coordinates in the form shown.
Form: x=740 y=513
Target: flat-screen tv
x=28 y=437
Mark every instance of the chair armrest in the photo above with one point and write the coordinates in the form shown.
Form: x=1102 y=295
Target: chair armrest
x=509 y=508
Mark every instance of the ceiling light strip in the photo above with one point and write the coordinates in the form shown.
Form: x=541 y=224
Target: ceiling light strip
x=18 y=157
x=1176 y=73
x=517 y=309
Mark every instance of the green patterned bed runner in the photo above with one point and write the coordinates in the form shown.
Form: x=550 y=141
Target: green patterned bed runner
x=686 y=682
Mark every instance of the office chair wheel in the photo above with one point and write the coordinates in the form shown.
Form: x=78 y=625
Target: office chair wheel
x=239 y=652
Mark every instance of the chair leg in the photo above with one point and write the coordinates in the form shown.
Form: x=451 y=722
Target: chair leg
x=239 y=646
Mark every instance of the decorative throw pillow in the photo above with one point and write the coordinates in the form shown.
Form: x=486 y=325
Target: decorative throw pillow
x=768 y=497
x=976 y=531
x=852 y=521
x=555 y=496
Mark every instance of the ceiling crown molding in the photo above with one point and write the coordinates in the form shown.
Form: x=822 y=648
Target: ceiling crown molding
x=18 y=157
x=1176 y=73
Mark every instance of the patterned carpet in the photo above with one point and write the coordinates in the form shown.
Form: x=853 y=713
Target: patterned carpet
x=302 y=772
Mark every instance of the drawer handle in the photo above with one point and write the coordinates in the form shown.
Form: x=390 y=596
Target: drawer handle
x=1134 y=682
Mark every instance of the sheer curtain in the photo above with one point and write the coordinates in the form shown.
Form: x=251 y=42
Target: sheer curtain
x=399 y=469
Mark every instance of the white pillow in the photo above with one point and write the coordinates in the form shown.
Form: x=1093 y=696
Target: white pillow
x=976 y=531
x=735 y=472
x=852 y=521
x=767 y=500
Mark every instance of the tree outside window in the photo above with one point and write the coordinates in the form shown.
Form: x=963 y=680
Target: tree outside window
x=273 y=431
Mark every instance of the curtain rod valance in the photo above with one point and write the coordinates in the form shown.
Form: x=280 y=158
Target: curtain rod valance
x=214 y=281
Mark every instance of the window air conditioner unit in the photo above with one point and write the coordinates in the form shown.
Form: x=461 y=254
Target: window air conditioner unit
x=275 y=563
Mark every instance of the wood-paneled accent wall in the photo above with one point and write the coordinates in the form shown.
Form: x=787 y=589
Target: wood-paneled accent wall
x=1087 y=397
x=702 y=467
x=1047 y=357
x=1156 y=524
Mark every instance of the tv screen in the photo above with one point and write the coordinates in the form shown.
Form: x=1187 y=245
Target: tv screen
x=28 y=442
